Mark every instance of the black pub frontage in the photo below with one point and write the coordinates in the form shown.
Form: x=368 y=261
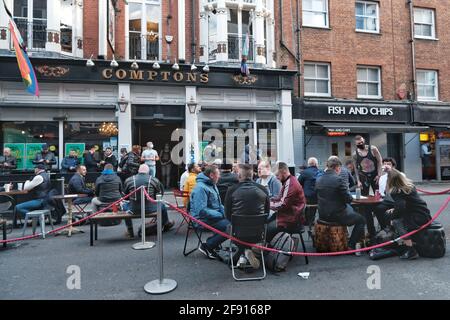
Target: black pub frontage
x=82 y=105
x=328 y=127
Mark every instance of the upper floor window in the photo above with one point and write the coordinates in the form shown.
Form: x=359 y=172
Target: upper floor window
x=212 y=36
x=424 y=23
x=240 y=34
x=317 y=79
x=144 y=22
x=30 y=17
x=367 y=16
x=315 y=13
x=369 y=82
x=427 y=85
x=66 y=22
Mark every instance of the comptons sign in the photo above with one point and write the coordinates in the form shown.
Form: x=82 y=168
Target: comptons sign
x=151 y=75
x=373 y=111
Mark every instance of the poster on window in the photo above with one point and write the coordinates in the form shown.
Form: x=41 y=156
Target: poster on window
x=31 y=150
x=111 y=24
x=18 y=151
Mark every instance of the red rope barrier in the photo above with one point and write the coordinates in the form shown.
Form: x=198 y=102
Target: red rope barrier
x=433 y=193
x=73 y=223
x=311 y=254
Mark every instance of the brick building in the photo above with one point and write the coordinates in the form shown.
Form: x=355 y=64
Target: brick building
x=116 y=73
x=362 y=74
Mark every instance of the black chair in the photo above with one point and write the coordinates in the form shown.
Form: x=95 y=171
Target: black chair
x=7 y=209
x=251 y=229
x=300 y=230
x=198 y=231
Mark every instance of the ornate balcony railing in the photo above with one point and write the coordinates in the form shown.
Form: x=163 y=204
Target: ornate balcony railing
x=235 y=45
x=136 y=46
x=34 y=33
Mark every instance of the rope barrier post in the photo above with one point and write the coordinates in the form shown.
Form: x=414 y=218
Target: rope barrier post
x=161 y=285
x=143 y=245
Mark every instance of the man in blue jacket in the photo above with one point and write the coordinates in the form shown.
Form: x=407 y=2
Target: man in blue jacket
x=308 y=180
x=70 y=163
x=206 y=206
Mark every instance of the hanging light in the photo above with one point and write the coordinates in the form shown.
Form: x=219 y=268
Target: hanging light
x=89 y=62
x=134 y=65
x=156 y=65
x=193 y=67
x=206 y=68
x=176 y=66
x=114 y=63
x=108 y=129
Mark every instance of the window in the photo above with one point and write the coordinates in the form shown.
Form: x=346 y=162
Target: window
x=315 y=13
x=30 y=17
x=367 y=17
x=369 y=82
x=317 y=79
x=144 y=29
x=240 y=20
x=212 y=36
x=67 y=12
x=424 y=26
x=427 y=85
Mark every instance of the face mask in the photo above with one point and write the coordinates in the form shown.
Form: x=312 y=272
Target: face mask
x=361 y=146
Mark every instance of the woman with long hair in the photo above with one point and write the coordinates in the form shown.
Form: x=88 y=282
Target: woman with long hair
x=410 y=212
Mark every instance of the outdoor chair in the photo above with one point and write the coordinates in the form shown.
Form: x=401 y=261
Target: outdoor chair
x=252 y=229
x=36 y=215
x=7 y=209
x=198 y=231
x=179 y=197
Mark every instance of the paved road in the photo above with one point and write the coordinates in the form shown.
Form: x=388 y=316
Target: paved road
x=112 y=270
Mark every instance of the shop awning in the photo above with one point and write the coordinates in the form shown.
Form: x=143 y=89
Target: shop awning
x=368 y=127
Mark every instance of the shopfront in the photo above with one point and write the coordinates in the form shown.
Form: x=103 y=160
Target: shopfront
x=331 y=125
x=119 y=107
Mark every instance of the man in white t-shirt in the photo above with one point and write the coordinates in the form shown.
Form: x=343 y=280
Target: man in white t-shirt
x=150 y=156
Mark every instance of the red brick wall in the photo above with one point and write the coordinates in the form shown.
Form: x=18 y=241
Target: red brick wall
x=90 y=28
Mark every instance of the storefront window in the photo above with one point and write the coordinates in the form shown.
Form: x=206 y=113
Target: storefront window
x=81 y=135
x=25 y=139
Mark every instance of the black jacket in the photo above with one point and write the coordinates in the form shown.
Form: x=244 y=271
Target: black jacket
x=308 y=181
x=111 y=160
x=10 y=160
x=50 y=156
x=90 y=162
x=77 y=185
x=411 y=208
x=227 y=180
x=246 y=198
x=153 y=186
x=332 y=195
x=108 y=188
x=131 y=163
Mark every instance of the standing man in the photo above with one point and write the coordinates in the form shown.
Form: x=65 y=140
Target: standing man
x=110 y=158
x=308 y=180
x=166 y=165
x=45 y=157
x=7 y=162
x=426 y=159
x=70 y=163
x=368 y=165
x=150 y=156
x=334 y=201
x=89 y=160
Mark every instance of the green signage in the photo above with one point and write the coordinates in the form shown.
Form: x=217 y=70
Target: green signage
x=32 y=150
x=18 y=151
x=78 y=148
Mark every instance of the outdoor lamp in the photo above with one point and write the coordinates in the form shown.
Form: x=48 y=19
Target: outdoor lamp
x=206 y=68
x=176 y=66
x=134 y=65
x=193 y=67
x=192 y=105
x=114 y=63
x=123 y=103
x=156 y=65
x=89 y=62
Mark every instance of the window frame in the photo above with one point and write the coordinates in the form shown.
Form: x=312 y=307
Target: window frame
x=30 y=24
x=327 y=12
x=433 y=24
x=380 y=95
x=378 y=30
x=316 y=94
x=436 y=86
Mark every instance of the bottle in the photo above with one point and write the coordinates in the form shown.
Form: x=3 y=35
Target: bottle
x=358 y=247
x=114 y=208
x=358 y=193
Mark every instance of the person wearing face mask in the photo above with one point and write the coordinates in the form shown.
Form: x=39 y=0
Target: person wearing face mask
x=166 y=165
x=334 y=201
x=368 y=162
x=150 y=156
x=45 y=157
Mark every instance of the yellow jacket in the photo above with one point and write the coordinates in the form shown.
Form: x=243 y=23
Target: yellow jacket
x=189 y=185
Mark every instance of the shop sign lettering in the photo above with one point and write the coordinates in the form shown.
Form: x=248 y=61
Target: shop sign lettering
x=364 y=111
x=152 y=75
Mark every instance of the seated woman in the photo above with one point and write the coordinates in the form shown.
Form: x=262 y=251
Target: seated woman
x=409 y=213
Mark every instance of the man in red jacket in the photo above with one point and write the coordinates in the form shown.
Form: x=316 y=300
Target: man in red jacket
x=288 y=206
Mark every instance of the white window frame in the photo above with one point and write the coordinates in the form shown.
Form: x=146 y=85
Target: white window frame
x=30 y=21
x=316 y=94
x=379 y=96
x=327 y=24
x=433 y=24
x=377 y=18
x=436 y=87
x=143 y=37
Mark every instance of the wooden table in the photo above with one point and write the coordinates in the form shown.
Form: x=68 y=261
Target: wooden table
x=371 y=200
x=69 y=199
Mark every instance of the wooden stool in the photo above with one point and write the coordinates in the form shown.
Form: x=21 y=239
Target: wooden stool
x=330 y=237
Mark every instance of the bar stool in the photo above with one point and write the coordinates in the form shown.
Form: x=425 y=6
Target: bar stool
x=37 y=215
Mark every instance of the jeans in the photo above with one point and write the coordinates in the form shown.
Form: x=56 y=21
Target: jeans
x=23 y=208
x=367 y=182
x=152 y=171
x=350 y=218
x=380 y=212
x=215 y=240
x=136 y=209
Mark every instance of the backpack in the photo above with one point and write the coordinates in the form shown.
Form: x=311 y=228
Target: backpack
x=431 y=242
x=275 y=261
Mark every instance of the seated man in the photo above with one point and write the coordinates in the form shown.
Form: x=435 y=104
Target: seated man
x=38 y=188
x=288 y=206
x=246 y=198
x=77 y=185
x=108 y=188
x=206 y=206
x=154 y=187
x=334 y=201
x=267 y=179
x=70 y=163
x=227 y=180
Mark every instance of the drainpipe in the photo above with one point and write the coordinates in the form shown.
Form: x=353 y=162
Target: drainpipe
x=193 y=44
x=282 y=43
x=298 y=30
x=413 y=56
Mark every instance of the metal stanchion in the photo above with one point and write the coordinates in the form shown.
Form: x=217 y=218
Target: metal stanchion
x=160 y=285
x=143 y=245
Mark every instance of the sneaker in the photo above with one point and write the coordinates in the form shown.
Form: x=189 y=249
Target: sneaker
x=210 y=254
x=169 y=225
x=254 y=262
x=410 y=254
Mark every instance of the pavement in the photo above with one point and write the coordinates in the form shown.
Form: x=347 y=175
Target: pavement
x=44 y=269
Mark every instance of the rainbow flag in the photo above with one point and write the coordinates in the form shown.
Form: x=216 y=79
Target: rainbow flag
x=23 y=61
